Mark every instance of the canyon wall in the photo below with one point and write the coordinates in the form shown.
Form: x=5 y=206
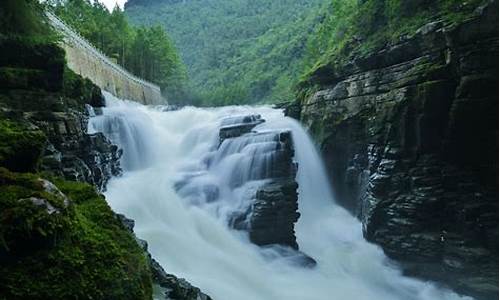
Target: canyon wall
x=89 y=62
x=410 y=137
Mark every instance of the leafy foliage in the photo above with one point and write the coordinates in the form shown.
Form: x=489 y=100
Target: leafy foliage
x=24 y=17
x=352 y=28
x=236 y=51
x=146 y=52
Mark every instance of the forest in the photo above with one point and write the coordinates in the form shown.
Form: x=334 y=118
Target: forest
x=147 y=52
x=236 y=51
x=303 y=150
x=258 y=52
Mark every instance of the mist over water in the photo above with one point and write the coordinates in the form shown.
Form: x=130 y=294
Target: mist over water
x=187 y=231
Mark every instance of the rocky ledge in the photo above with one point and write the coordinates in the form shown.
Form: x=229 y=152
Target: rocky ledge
x=271 y=217
x=50 y=109
x=61 y=240
x=174 y=288
x=410 y=138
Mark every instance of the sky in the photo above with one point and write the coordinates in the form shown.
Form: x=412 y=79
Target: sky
x=111 y=3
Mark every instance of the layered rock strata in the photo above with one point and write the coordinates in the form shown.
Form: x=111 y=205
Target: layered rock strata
x=271 y=217
x=410 y=138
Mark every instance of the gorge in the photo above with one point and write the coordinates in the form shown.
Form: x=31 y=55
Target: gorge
x=338 y=150
x=184 y=201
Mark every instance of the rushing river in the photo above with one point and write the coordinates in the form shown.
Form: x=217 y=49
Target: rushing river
x=189 y=235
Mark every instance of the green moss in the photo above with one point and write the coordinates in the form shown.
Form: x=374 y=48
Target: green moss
x=81 y=252
x=79 y=90
x=18 y=78
x=353 y=28
x=20 y=145
x=26 y=53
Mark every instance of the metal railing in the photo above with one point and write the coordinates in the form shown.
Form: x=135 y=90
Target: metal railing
x=82 y=42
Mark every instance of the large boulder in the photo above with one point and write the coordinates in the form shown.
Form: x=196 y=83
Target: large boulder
x=61 y=240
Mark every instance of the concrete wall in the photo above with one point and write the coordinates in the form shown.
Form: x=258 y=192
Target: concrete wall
x=89 y=62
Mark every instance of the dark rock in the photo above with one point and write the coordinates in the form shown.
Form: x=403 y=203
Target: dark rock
x=288 y=255
x=271 y=217
x=274 y=213
x=410 y=139
x=169 y=107
x=74 y=154
x=175 y=288
x=129 y=224
x=237 y=126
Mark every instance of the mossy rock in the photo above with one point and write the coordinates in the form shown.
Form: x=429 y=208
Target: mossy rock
x=30 y=90
x=81 y=90
x=33 y=100
x=20 y=78
x=33 y=213
x=20 y=145
x=19 y=52
x=82 y=251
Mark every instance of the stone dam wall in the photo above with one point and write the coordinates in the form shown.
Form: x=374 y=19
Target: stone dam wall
x=89 y=62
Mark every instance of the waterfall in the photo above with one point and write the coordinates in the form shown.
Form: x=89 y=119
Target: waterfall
x=182 y=186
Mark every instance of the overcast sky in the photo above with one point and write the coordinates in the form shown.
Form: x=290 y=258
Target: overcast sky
x=111 y=3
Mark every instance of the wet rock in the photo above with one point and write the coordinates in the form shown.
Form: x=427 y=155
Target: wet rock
x=274 y=213
x=175 y=288
x=271 y=217
x=239 y=125
x=74 y=154
x=129 y=224
x=410 y=139
x=288 y=255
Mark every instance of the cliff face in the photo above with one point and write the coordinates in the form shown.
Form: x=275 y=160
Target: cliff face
x=58 y=237
x=410 y=138
x=39 y=95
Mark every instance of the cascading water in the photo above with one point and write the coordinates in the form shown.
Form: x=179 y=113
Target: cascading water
x=179 y=188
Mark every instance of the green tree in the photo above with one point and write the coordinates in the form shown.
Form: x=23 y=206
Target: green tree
x=146 y=52
x=23 y=17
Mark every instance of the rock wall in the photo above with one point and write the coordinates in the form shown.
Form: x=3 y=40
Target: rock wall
x=52 y=229
x=410 y=138
x=173 y=288
x=89 y=62
x=43 y=134
x=51 y=110
x=271 y=217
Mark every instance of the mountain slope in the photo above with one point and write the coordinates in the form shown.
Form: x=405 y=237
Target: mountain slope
x=236 y=51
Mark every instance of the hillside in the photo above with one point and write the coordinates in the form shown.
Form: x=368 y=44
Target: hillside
x=235 y=51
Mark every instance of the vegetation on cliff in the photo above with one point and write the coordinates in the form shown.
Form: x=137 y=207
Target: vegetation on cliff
x=352 y=28
x=235 y=51
x=23 y=17
x=58 y=239
x=146 y=52
x=63 y=241
x=402 y=97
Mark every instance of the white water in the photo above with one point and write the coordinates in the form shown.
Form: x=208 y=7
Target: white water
x=189 y=235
